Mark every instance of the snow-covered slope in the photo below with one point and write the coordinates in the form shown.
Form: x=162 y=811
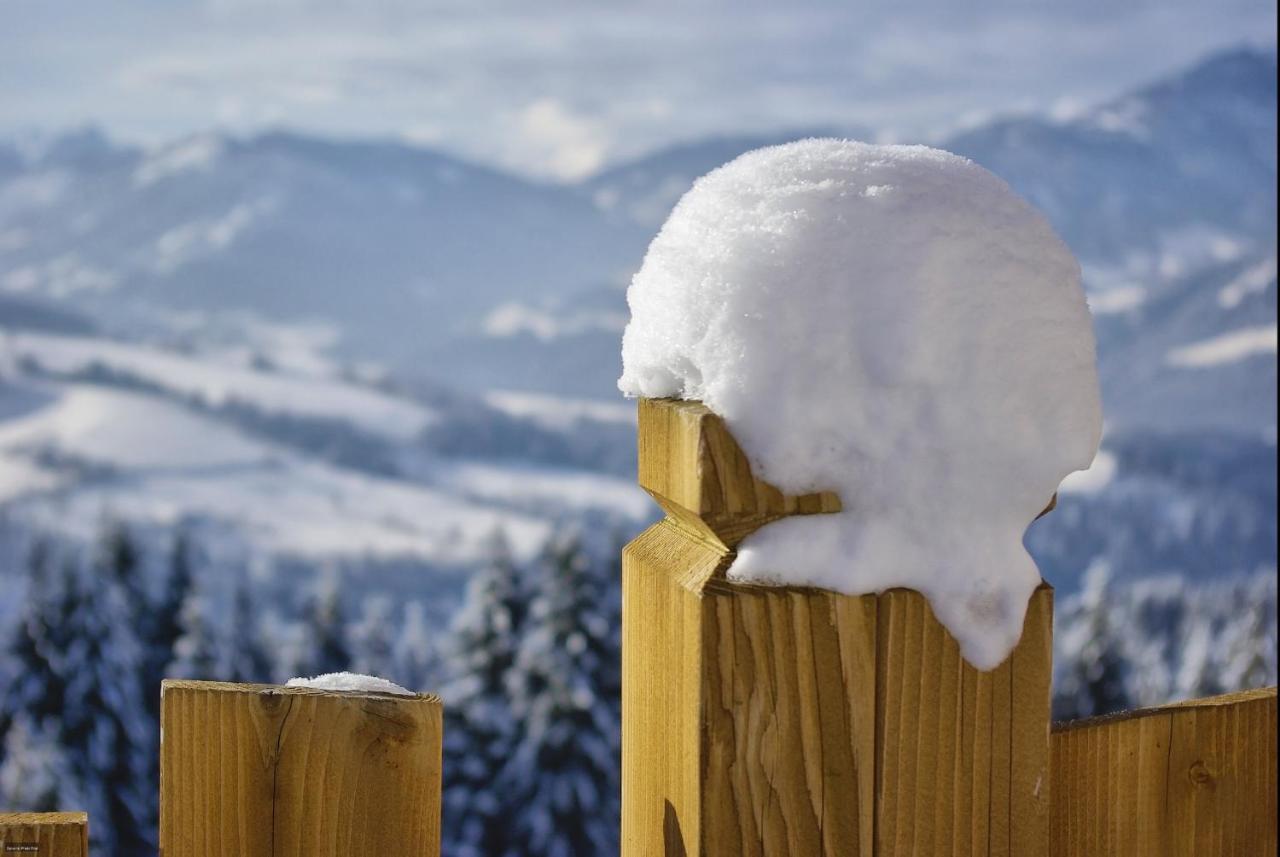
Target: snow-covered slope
x=94 y=451
x=291 y=467
x=102 y=427
x=1199 y=353
x=214 y=385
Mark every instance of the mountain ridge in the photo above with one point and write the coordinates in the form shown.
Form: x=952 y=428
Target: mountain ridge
x=405 y=272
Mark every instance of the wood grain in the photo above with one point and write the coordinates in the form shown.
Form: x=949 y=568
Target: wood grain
x=1193 y=778
x=44 y=834
x=692 y=466
x=266 y=771
x=796 y=721
x=962 y=761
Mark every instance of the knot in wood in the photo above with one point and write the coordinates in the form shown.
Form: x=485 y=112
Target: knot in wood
x=1200 y=774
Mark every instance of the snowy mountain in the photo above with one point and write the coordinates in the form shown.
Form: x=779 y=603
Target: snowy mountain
x=1163 y=186
x=1172 y=174
x=389 y=246
x=349 y=330
x=644 y=190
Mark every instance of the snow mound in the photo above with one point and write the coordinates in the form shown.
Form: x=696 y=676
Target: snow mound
x=350 y=681
x=892 y=323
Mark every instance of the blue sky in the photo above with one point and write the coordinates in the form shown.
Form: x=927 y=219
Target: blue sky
x=558 y=88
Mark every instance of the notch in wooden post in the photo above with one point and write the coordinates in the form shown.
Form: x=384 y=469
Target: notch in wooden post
x=267 y=771
x=46 y=834
x=788 y=720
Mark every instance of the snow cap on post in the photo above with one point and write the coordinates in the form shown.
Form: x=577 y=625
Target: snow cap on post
x=894 y=324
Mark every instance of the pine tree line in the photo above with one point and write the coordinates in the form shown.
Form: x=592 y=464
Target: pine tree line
x=1119 y=647
x=81 y=668
x=531 y=679
x=533 y=706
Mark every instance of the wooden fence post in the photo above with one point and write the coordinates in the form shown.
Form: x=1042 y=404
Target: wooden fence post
x=266 y=771
x=44 y=834
x=794 y=721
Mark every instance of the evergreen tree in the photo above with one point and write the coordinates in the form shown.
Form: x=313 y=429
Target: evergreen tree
x=1161 y=639
x=372 y=642
x=479 y=730
x=325 y=630
x=196 y=653
x=1095 y=680
x=248 y=659
x=33 y=773
x=413 y=655
x=1248 y=642
x=119 y=562
x=105 y=727
x=165 y=625
x=35 y=776
x=1198 y=674
x=37 y=642
x=561 y=782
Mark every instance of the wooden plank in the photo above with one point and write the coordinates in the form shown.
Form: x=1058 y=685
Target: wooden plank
x=1031 y=676
x=788 y=720
x=661 y=691
x=963 y=758
x=1193 y=778
x=44 y=834
x=266 y=771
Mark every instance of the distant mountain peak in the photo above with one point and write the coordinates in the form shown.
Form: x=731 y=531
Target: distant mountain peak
x=1240 y=72
x=1242 y=64
x=85 y=146
x=643 y=191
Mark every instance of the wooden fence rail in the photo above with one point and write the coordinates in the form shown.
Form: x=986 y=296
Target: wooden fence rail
x=1194 y=778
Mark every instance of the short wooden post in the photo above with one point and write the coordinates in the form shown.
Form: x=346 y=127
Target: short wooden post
x=44 y=834
x=793 y=721
x=266 y=771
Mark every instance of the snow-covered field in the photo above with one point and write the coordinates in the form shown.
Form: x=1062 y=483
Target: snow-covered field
x=88 y=452
x=560 y=412
x=217 y=384
x=151 y=440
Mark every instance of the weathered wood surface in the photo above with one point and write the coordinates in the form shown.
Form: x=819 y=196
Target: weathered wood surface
x=44 y=834
x=266 y=771
x=700 y=476
x=795 y=721
x=1195 y=778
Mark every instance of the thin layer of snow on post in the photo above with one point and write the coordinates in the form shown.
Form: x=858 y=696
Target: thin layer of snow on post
x=350 y=682
x=892 y=323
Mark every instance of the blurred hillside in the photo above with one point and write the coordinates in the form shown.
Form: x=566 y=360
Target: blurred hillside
x=373 y=354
